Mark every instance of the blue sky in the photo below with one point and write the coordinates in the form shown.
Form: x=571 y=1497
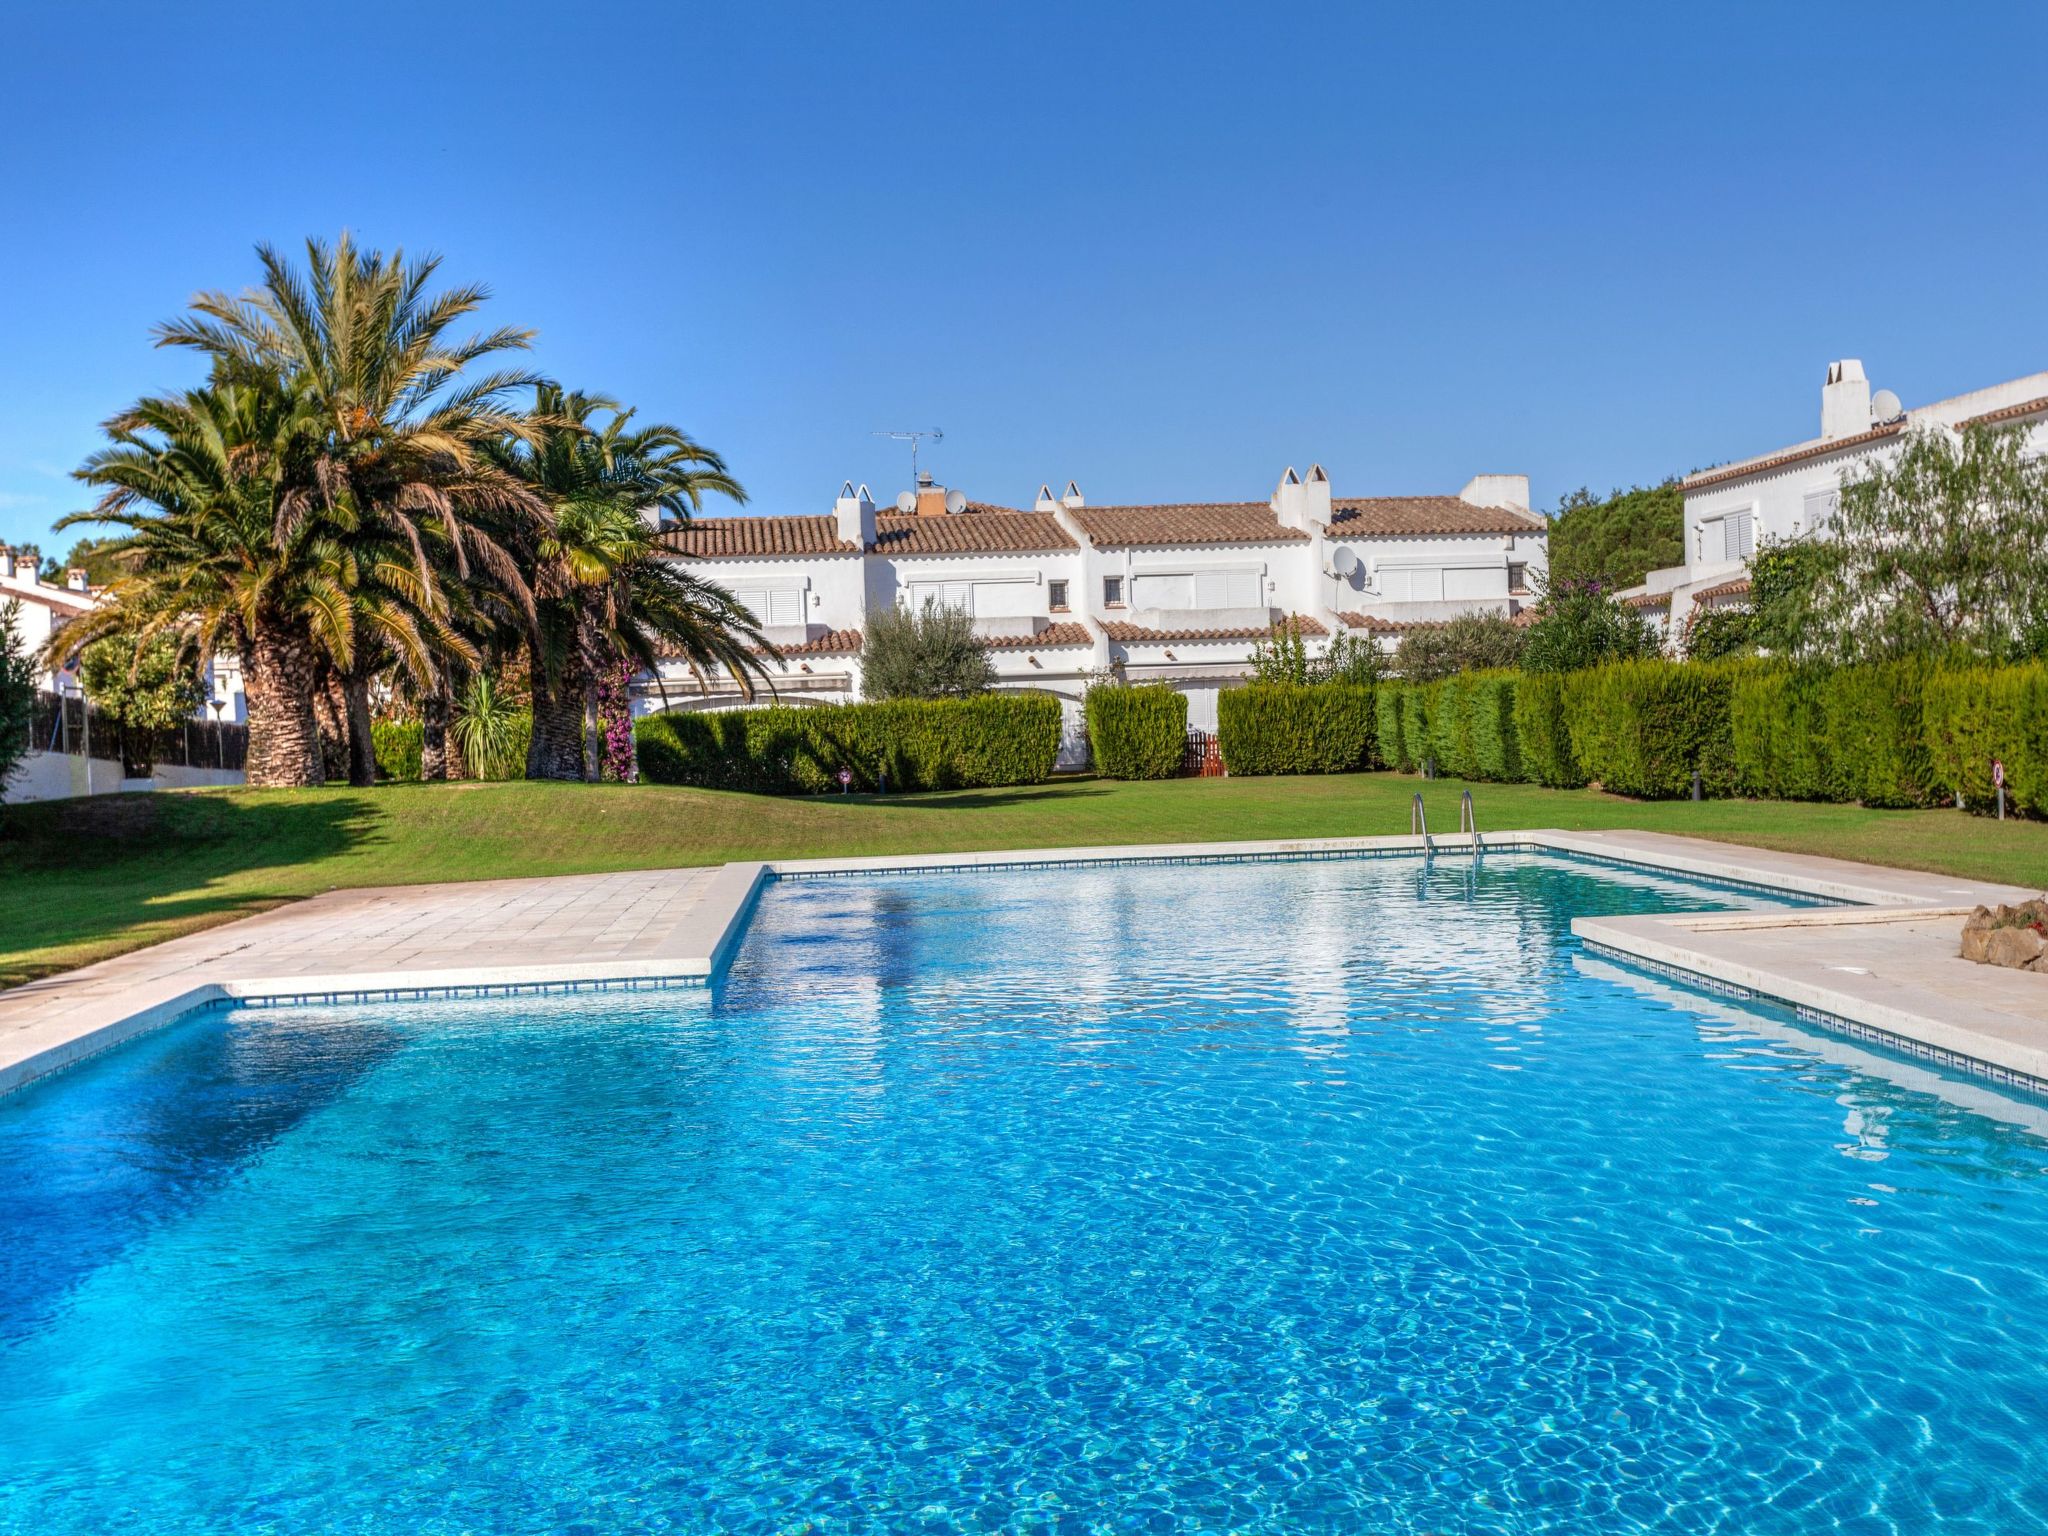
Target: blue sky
x=1165 y=250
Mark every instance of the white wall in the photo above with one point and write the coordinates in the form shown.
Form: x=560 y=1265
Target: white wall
x=64 y=775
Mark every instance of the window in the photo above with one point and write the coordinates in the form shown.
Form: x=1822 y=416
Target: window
x=1518 y=577
x=1112 y=591
x=1819 y=509
x=1728 y=538
x=773 y=605
x=1056 y=596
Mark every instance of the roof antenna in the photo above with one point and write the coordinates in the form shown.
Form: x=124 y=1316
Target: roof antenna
x=911 y=438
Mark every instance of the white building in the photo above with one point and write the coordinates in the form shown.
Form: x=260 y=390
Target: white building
x=1790 y=493
x=1064 y=592
x=47 y=608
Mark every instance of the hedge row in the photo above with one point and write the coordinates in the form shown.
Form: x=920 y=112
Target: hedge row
x=1295 y=728
x=1138 y=732
x=1898 y=734
x=980 y=742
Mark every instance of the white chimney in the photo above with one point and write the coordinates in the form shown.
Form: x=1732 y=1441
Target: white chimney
x=1315 y=496
x=1046 y=501
x=1497 y=491
x=1290 y=502
x=1071 y=497
x=854 y=512
x=75 y=579
x=1845 y=400
x=6 y=560
x=28 y=565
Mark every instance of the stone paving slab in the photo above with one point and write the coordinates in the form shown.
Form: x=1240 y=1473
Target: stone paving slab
x=672 y=923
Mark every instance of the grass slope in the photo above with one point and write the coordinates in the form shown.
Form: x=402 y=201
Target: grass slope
x=84 y=879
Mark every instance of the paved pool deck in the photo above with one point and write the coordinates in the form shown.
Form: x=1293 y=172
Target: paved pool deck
x=1886 y=969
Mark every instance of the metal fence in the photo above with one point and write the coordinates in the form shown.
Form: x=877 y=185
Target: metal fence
x=66 y=723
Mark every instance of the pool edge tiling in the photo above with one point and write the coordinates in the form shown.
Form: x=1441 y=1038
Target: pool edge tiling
x=678 y=927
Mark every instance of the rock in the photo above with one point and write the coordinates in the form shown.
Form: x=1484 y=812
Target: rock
x=1977 y=942
x=2016 y=947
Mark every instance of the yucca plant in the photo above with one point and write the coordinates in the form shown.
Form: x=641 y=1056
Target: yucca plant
x=486 y=730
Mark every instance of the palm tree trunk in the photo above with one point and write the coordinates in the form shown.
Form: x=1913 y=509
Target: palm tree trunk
x=362 y=746
x=434 y=712
x=557 y=750
x=284 y=741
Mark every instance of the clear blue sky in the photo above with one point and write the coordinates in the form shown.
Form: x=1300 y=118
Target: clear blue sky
x=1163 y=249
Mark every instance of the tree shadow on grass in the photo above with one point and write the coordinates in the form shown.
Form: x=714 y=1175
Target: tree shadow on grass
x=978 y=799
x=82 y=873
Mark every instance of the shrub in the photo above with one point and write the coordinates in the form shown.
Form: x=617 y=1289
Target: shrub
x=1295 y=728
x=1580 y=624
x=1644 y=727
x=1875 y=736
x=980 y=742
x=1472 y=642
x=143 y=689
x=1137 y=732
x=17 y=691
x=1390 y=732
x=1542 y=734
x=397 y=746
x=1778 y=732
x=931 y=654
x=490 y=732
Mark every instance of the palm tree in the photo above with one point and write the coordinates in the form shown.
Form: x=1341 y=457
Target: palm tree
x=197 y=479
x=605 y=595
x=400 y=465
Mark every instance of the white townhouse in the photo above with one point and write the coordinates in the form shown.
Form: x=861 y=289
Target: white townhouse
x=1790 y=493
x=1064 y=592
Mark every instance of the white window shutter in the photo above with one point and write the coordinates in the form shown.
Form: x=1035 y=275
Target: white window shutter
x=1246 y=590
x=786 y=605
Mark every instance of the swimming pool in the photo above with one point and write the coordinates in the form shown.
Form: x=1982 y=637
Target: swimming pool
x=1336 y=1196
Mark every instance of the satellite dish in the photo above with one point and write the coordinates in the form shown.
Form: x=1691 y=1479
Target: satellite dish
x=956 y=501
x=1885 y=406
x=1345 y=561
x=906 y=502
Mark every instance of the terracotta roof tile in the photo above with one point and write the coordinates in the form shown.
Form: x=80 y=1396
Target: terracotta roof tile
x=1798 y=455
x=1379 y=624
x=739 y=538
x=2006 y=413
x=1365 y=516
x=1212 y=522
x=1135 y=634
x=980 y=529
x=1733 y=588
x=1051 y=637
x=1648 y=600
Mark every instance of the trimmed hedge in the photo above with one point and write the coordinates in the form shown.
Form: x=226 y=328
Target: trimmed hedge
x=1643 y=728
x=1295 y=728
x=1974 y=714
x=1390 y=733
x=1875 y=735
x=1543 y=735
x=1777 y=729
x=979 y=742
x=1137 y=732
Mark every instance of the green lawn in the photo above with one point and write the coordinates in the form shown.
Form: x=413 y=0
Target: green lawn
x=84 y=879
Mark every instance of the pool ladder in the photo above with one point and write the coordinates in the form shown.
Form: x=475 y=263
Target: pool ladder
x=1468 y=824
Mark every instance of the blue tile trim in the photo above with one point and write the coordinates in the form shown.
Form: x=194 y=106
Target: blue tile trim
x=1320 y=856
x=1833 y=1023
x=426 y=994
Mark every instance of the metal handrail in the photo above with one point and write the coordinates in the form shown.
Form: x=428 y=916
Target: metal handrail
x=1468 y=822
x=1418 y=824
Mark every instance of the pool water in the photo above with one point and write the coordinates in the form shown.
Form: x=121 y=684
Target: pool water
x=1338 y=1196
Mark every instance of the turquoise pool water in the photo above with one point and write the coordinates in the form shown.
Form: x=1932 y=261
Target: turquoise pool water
x=1264 y=1198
